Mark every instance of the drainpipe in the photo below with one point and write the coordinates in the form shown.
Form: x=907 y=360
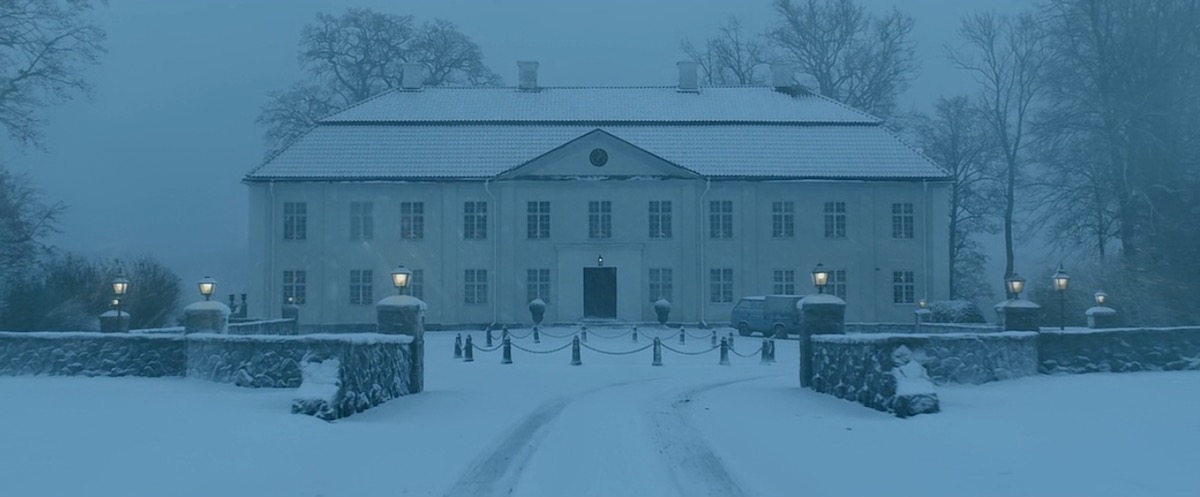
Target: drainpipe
x=700 y=235
x=495 y=253
x=270 y=287
x=927 y=239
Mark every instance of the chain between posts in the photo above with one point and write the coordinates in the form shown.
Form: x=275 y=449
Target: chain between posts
x=698 y=337
x=593 y=349
x=531 y=351
x=751 y=354
x=487 y=349
x=710 y=349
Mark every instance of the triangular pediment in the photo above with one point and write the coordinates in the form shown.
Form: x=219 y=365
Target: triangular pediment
x=600 y=155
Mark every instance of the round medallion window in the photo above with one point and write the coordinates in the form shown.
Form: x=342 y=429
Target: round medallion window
x=598 y=157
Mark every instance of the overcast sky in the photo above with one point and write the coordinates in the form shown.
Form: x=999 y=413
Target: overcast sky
x=152 y=164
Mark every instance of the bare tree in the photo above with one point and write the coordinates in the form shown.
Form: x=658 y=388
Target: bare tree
x=1007 y=57
x=958 y=138
x=732 y=57
x=25 y=221
x=45 y=46
x=851 y=56
x=360 y=54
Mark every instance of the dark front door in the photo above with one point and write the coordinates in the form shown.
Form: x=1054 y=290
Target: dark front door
x=600 y=292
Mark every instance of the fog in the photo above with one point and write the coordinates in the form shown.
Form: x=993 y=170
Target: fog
x=152 y=163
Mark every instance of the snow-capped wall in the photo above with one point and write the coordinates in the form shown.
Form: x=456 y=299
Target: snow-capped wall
x=91 y=354
x=1119 y=350
x=908 y=328
x=264 y=327
x=858 y=367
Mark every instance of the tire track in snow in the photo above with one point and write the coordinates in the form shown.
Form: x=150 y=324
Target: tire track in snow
x=695 y=469
x=498 y=469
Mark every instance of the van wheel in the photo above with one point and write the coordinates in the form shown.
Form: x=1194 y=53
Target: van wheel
x=779 y=332
x=744 y=329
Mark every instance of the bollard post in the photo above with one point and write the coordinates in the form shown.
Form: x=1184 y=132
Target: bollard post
x=724 y=353
x=657 y=353
x=766 y=352
x=507 y=355
x=537 y=337
x=635 y=333
x=469 y=351
x=488 y=343
x=458 y=346
x=583 y=333
x=771 y=356
x=731 y=340
x=504 y=332
x=713 y=340
x=575 y=360
x=682 y=336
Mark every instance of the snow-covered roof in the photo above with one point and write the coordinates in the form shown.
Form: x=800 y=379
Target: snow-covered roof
x=599 y=104
x=477 y=133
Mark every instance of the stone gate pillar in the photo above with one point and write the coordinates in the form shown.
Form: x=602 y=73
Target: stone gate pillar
x=820 y=314
x=208 y=316
x=405 y=315
x=1018 y=315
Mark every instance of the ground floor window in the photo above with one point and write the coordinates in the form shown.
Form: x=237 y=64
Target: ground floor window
x=475 y=286
x=537 y=285
x=661 y=284
x=416 y=284
x=360 y=287
x=720 y=285
x=903 y=287
x=783 y=282
x=837 y=283
x=294 y=287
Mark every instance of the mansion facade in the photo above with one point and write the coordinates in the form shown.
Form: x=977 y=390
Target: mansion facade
x=597 y=200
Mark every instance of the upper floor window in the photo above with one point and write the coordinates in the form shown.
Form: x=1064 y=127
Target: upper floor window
x=600 y=219
x=294 y=287
x=835 y=219
x=660 y=219
x=538 y=220
x=783 y=282
x=295 y=220
x=661 y=284
x=361 y=287
x=537 y=285
x=362 y=220
x=720 y=219
x=475 y=220
x=902 y=220
x=720 y=285
x=475 y=286
x=783 y=220
x=412 y=220
x=903 y=287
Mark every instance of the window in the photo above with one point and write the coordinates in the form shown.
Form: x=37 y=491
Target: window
x=902 y=220
x=903 y=287
x=475 y=287
x=660 y=219
x=720 y=285
x=783 y=220
x=661 y=284
x=600 y=219
x=362 y=221
x=720 y=219
x=360 y=287
x=293 y=287
x=412 y=220
x=537 y=283
x=837 y=283
x=784 y=282
x=295 y=220
x=475 y=220
x=835 y=219
x=538 y=220
x=416 y=284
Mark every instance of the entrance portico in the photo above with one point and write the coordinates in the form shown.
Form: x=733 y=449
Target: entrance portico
x=611 y=291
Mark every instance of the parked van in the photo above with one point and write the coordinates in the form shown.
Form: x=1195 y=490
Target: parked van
x=770 y=315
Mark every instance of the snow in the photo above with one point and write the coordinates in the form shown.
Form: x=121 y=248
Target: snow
x=878 y=337
x=208 y=305
x=613 y=426
x=911 y=379
x=358 y=338
x=1018 y=303
x=321 y=380
x=1083 y=331
x=402 y=301
x=820 y=298
x=113 y=314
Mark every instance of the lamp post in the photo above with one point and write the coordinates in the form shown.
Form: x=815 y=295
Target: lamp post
x=1060 y=285
x=208 y=286
x=1015 y=285
x=400 y=278
x=119 y=286
x=820 y=277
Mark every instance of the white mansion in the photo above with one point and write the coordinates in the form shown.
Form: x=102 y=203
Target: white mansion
x=598 y=200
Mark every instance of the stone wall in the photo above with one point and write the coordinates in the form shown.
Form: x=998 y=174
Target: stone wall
x=926 y=328
x=858 y=367
x=1119 y=350
x=92 y=354
x=264 y=327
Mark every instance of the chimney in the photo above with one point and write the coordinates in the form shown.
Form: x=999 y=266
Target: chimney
x=687 y=76
x=781 y=76
x=527 y=74
x=413 y=77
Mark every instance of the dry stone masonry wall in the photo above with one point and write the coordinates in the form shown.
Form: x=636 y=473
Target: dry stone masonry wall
x=1119 y=350
x=91 y=354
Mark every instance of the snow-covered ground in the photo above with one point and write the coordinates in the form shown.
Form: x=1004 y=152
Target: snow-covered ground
x=613 y=426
